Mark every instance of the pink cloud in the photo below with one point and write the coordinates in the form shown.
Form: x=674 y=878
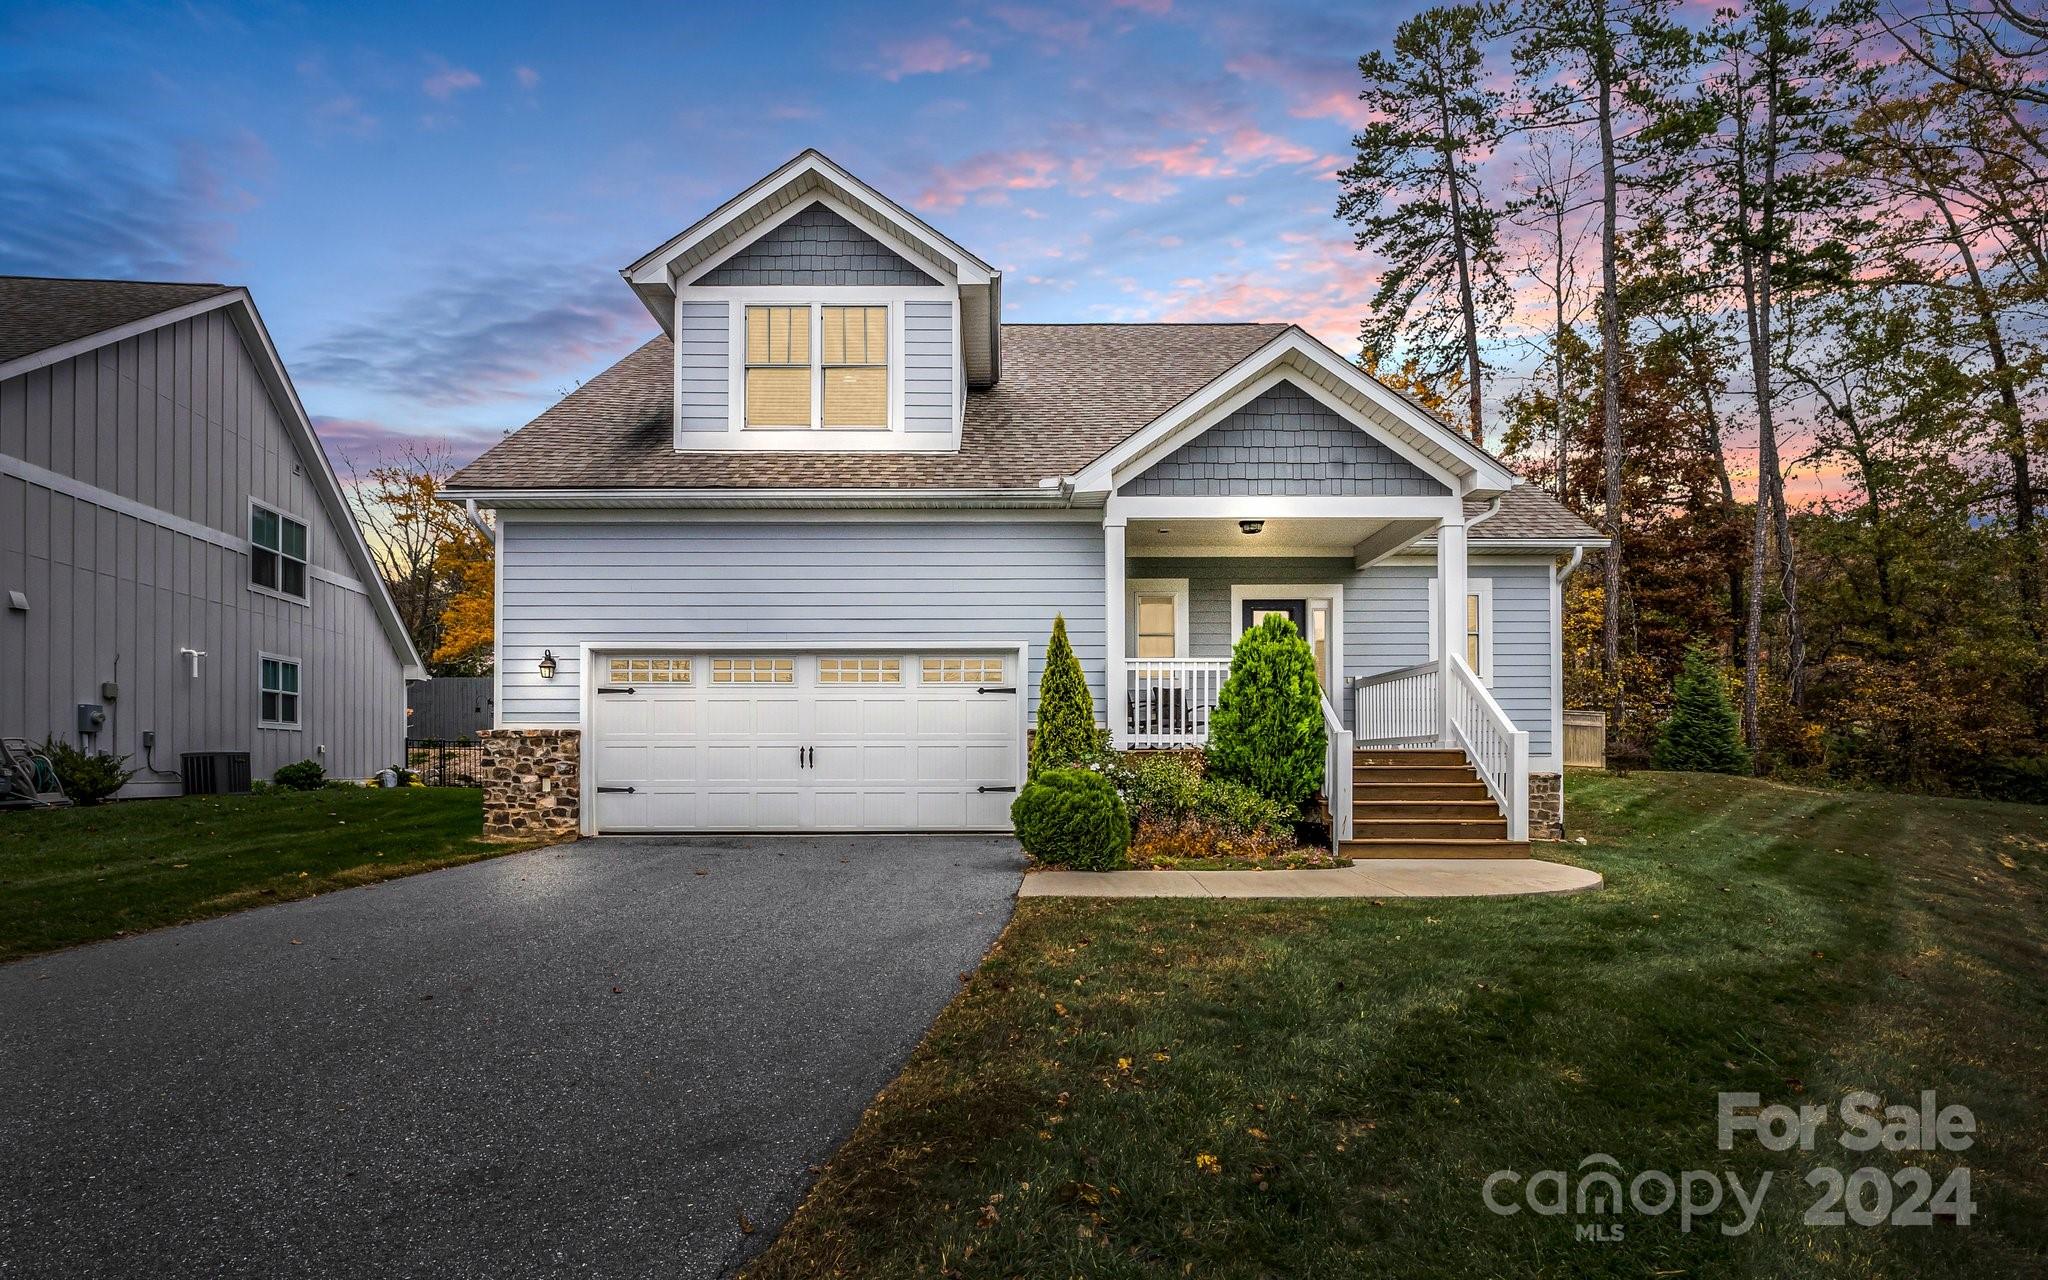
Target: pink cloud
x=528 y=78
x=1255 y=147
x=928 y=55
x=1189 y=160
x=950 y=185
x=449 y=81
x=1152 y=8
x=1044 y=24
x=1312 y=90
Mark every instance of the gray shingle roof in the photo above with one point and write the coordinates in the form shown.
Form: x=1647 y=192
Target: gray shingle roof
x=1069 y=393
x=37 y=313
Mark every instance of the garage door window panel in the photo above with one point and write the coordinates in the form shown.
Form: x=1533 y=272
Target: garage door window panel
x=963 y=670
x=753 y=670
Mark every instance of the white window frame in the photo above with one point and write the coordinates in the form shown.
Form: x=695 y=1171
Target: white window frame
x=1331 y=591
x=299 y=693
x=815 y=298
x=1175 y=587
x=249 y=539
x=1474 y=586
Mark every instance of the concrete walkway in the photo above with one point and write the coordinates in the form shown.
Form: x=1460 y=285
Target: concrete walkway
x=1367 y=878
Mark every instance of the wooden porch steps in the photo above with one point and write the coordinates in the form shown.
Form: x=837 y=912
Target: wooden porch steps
x=1426 y=803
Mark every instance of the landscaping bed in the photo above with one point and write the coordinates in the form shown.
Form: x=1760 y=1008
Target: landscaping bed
x=1241 y=1089
x=69 y=876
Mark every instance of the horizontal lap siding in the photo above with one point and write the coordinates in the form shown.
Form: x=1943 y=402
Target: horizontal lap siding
x=1386 y=620
x=703 y=366
x=566 y=584
x=928 y=332
x=1289 y=443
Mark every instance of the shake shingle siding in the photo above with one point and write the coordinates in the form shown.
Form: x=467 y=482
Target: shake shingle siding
x=1285 y=442
x=816 y=247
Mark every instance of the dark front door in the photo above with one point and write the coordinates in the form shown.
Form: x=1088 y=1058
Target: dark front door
x=1296 y=611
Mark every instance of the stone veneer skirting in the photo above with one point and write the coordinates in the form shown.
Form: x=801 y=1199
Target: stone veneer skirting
x=1546 y=806
x=532 y=782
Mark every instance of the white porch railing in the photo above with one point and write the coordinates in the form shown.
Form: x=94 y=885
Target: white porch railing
x=1403 y=708
x=1406 y=708
x=1337 y=774
x=1168 y=700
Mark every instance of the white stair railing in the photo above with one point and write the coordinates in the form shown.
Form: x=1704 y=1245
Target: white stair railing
x=1169 y=700
x=1498 y=750
x=1337 y=774
x=1400 y=708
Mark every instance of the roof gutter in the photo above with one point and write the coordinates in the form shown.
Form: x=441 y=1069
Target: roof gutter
x=1571 y=566
x=742 y=499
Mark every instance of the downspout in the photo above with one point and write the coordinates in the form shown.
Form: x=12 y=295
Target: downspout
x=490 y=534
x=1571 y=566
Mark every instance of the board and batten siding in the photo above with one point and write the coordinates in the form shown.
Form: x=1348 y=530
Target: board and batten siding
x=136 y=547
x=703 y=366
x=568 y=582
x=928 y=366
x=816 y=247
x=1386 y=620
x=1284 y=442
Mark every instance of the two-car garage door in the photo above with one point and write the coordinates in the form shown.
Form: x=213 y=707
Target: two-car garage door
x=771 y=741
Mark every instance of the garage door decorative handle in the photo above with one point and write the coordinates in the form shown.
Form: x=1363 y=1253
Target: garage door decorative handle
x=995 y=788
x=612 y=688
x=617 y=790
x=1004 y=688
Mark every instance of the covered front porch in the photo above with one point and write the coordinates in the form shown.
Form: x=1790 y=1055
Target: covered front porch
x=1378 y=586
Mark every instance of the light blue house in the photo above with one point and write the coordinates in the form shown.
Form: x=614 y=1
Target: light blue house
x=791 y=565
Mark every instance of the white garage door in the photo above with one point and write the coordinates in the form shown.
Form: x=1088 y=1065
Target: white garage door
x=687 y=741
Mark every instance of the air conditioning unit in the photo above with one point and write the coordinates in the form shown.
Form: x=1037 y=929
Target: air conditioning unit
x=215 y=773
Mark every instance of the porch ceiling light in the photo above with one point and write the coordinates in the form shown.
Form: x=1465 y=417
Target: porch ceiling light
x=1250 y=527
x=547 y=664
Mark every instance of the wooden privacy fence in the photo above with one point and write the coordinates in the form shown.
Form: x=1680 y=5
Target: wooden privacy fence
x=1585 y=739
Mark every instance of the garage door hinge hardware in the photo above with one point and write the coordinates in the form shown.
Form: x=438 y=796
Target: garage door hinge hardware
x=995 y=788
x=618 y=790
x=1007 y=688
x=613 y=688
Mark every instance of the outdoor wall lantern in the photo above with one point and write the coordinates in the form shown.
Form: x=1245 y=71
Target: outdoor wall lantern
x=547 y=664
x=1250 y=527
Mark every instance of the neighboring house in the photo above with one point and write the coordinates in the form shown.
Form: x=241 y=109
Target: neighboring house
x=791 y=565
x=181 y=572
x=448 y=708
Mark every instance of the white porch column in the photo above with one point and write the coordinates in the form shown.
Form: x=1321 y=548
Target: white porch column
x=1113 y=628
x=1450 y=597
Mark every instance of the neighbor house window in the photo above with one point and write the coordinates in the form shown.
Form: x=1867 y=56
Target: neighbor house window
x=855 y=342
x=778 y=367
x=280 y=692
x=277 y=552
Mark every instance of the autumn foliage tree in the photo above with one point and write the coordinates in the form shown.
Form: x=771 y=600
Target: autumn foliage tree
x=437 y=564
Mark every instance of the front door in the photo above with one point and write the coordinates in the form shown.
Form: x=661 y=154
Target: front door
x=1310 y=617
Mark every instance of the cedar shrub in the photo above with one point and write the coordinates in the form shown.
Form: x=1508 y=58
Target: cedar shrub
x=1072 y=818
x=1066 y=710
x=1267 y=730
x=1702 y=734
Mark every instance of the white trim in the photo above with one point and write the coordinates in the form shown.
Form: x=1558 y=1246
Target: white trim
x=498 y=557
x=719 y=499
x=263 y=656
x=250 y=549
x=652 y=268
x=1277 y=507
x=1115 y=631
x=587 y=682
x=1465 y=467
x=1474 y=586
x=1174 y=587
x=799 y=515
x=1333 y=592
x=889 y=237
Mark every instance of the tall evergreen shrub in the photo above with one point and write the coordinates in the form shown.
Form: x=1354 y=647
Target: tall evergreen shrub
x=1702 y=734
x=1267 y=730
x=1066 y=710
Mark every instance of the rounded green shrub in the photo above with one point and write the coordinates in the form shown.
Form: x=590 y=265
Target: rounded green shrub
x=87 y=777
x=1267 y=730
x=1072 y=818
x=1232 y=804
x=1160 y=784
x=1702 y=735
x=306 y=775
x=1066 y=735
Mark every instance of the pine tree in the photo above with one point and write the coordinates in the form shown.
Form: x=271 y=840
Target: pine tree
x=1066 y=711
x=1702 y=735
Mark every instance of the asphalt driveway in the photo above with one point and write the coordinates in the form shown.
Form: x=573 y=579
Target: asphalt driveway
x=591 y=1060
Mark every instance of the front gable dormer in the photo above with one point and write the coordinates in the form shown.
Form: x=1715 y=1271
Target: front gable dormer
x=811 y=313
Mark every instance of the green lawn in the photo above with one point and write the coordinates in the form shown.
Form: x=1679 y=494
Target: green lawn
x=1356 y=1070
x=79 y=875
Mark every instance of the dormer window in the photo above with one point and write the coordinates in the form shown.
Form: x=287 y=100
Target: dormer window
x=817 y=367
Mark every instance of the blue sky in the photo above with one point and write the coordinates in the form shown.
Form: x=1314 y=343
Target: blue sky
x=431 y=202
